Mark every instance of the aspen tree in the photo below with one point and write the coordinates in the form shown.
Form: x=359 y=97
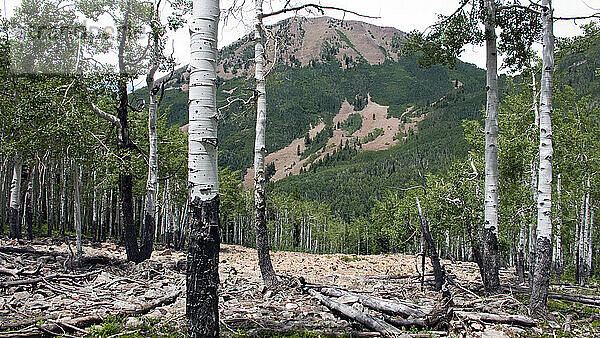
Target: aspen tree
x=541 y=275
x=202 y=308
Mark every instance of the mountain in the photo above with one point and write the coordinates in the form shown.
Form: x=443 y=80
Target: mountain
x=347 y=117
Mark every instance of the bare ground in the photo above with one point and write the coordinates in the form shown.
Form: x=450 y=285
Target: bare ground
x=119 y=287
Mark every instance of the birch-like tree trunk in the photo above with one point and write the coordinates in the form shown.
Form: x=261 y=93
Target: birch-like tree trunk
x=28 y=214
x=150 y=211
x=63 y=197
x=77 y=209
x=521 y=250
x=15 y=197
x=558 y=257
x=490 y=259
x=202 y=276
x=50 y=199
x=541 y=276
x=260 y=224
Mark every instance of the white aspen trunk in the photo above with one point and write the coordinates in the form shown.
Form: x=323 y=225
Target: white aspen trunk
x=50 y=198
x=15 y=197
x=260 y=152
x=103 y=216
x=150 y=209
x=3 y=190
x=590 y=243
x=63 y=198
x=110 y=215
x=558 y=257
x=521 y=250
x=490 y=257
x=541 y=278
x=95 y=230
x=77 y=209
x=202 y=302
x=28 y=214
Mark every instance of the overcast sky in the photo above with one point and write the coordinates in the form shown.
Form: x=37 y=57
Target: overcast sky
x=405 y=15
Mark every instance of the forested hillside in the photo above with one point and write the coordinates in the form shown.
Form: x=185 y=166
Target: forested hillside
x=304 y=94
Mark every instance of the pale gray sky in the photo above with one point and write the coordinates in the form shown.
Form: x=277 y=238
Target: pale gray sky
x=405 y=15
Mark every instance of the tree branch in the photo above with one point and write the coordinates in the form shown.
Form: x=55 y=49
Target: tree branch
x=320 y=8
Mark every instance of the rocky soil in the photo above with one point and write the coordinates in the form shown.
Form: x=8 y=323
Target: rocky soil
x=41 y=292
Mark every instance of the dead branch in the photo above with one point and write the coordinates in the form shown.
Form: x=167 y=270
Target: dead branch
x=369 y=321
x=60 y=327
x=498 y=319
x=382 y=305
x=44 y=279
x=320 y=8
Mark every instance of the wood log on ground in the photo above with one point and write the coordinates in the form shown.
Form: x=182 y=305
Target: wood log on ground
x=86 y=260
x=583 y=299
x=382 y=305
x=419 y=323
x=44 y=279
x=368 y=321
x=59 y=327
x=498 y=319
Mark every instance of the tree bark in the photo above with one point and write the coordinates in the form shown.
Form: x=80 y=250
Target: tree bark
x=29 y=203
x=260 y=224
x=124 y=144
x=150 y=212
x=558 y=257
x=438 y=271
x=369 y=321
x=521 y=251
x=63 y=197
x=15 y=198
x=77 y=210
x=541 y=278
x=202 y=278
x=491 y=262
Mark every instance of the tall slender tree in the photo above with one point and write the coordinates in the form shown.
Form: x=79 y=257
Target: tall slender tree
x=541 y=275
x=260 y=152
x=491 y=261
x=202 y=308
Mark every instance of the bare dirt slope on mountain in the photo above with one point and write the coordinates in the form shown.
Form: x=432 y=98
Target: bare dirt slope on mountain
x=377 y=132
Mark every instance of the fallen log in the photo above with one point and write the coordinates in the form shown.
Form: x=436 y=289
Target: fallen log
x=498 y=319
x=44 y=279
x=369 y=321
x=85 y=260
x=59 y=327
x=419 y=323
x=583 y=299
x=382 y=305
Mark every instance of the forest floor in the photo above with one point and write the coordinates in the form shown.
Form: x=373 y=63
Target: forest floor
x=109 y=297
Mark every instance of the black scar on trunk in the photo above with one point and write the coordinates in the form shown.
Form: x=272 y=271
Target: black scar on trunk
x=491 y=280
x=13 y=219
x=541 y=278
x=202 y=277
x=262 y=243
x=147 y=238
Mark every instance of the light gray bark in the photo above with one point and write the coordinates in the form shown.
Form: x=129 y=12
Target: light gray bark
x=63 y=197
x=541 y=278
x=15 y=197
x=260 y=151
x=77 y=209
x=202 y=275
x=558 y=257
x=490 y=234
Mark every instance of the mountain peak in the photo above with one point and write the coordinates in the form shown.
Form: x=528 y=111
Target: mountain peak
x=298 y=41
